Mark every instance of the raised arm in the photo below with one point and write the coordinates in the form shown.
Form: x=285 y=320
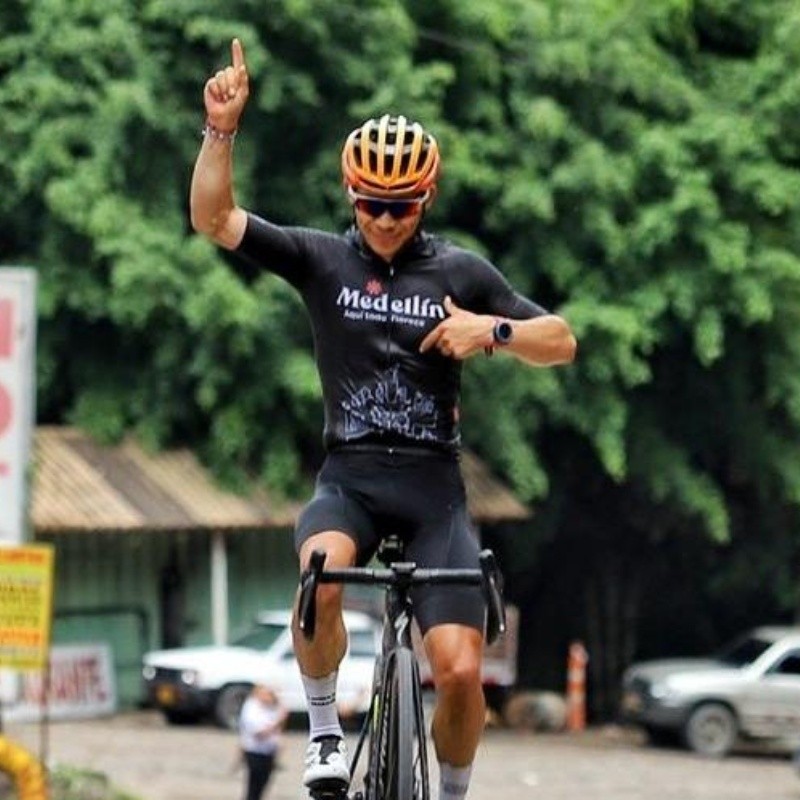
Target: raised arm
x=214 y=212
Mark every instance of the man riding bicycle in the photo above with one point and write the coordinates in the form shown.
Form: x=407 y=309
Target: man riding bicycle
x=394 y=312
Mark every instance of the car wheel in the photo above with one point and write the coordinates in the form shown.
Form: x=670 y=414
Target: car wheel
x=711 y=730
x=229 y=704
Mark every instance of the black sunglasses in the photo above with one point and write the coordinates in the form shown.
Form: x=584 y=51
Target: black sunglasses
x=377 y=207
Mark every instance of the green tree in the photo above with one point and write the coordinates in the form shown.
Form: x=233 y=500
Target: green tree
x=145 y=326
x=651 y=184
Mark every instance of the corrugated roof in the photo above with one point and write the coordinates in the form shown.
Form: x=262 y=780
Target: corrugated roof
x=80 y=486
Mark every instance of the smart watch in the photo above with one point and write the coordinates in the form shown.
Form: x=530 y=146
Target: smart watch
x=503 y=332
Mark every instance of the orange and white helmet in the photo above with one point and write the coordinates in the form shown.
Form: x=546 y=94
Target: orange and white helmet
x=390 y=157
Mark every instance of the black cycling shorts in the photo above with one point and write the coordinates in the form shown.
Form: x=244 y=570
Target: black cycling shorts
x=420 y=498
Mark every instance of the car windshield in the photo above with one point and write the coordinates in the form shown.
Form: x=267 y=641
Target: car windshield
x=742 y=651
x=260 y=637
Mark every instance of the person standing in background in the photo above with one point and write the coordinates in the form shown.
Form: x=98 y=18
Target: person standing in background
x=260 y=725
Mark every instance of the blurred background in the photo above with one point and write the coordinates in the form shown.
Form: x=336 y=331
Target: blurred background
x=632 y=166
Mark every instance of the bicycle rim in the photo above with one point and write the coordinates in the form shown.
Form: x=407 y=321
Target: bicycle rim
x=398 y=756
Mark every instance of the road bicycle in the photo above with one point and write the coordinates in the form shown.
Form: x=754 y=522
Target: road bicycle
x=394 y=729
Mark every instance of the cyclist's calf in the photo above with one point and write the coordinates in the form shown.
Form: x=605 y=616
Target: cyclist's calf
x=322 y=654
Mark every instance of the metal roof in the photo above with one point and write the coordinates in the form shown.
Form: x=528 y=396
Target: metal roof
x=80 y=486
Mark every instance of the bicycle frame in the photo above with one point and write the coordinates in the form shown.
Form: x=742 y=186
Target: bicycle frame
x=397 y=760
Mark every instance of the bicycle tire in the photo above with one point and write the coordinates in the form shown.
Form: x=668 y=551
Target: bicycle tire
x=398 y=763
x=419 y=737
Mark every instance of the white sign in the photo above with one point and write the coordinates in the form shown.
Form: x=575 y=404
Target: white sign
x=9 y=686
x=17 y=358
x=81 y=686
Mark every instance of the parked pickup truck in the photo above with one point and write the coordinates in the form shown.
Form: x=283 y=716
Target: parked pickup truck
x=750 y=690
x=192 y=683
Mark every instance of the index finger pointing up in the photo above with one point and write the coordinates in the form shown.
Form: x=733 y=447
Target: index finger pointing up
x=237 y=54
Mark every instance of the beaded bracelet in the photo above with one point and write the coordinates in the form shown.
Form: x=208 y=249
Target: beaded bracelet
x=215 y=133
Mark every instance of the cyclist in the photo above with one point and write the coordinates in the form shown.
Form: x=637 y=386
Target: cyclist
x=394 y=312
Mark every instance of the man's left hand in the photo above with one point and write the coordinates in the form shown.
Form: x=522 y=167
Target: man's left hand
x=461 y=335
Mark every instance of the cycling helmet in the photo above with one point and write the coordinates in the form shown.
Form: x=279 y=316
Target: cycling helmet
x=390 y=157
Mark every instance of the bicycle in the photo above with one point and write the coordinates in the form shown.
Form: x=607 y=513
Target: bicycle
x=397 y=763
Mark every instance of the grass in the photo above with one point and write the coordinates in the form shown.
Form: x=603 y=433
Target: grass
x=70 y=783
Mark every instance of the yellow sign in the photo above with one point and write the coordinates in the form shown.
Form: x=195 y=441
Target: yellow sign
x=26 y=600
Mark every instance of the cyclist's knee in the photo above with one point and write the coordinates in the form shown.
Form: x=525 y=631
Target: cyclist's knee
x=455 y=655
x=330 y=597
x=458 y=675
x=339 y=549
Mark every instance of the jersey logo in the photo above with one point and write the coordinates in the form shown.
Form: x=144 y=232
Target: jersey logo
x=373 y=304
x=374 y=287
x=388 y=404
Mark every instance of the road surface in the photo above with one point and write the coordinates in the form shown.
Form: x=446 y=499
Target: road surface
x=154 y=761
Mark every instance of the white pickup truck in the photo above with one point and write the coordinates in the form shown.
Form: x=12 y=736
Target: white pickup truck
x=191 y=683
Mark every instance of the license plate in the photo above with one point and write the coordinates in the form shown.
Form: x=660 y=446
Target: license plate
x=165 y=695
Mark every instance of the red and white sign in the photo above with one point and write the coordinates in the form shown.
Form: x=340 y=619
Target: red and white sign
x=17 y=397
x=81 y=686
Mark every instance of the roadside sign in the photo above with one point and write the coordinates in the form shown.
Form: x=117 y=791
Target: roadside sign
x=80 y=685
x=17 y=357
x=26 y=600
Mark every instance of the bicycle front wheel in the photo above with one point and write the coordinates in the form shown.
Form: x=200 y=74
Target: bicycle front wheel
x=398 y=764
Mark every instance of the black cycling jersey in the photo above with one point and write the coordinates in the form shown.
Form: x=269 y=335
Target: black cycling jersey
x=369 y=318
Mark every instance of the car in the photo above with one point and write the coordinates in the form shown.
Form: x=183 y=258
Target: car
x=188 y=684
x=749 y=690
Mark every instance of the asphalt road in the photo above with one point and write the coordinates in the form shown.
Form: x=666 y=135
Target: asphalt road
x=153 y=761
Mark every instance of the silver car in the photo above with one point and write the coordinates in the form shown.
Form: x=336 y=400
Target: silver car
x=750 y=690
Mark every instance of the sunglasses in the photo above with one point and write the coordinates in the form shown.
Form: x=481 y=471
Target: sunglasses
x=377 y=207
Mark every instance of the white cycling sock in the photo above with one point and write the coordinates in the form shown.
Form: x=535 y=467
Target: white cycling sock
x=453 y=781
x=323 y=716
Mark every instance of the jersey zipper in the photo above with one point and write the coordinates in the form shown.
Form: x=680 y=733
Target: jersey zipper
x=389 y=318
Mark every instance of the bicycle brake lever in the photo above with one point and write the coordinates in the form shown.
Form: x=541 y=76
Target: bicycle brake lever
x=307 y=602
x=493 y=591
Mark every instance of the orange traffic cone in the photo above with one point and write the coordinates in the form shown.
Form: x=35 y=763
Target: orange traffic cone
x=576 y=686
